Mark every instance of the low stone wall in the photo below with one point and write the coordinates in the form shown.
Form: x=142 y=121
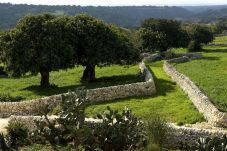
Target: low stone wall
x=200 y=100
x=186 y=138
x=94 y=95
x=180 y=137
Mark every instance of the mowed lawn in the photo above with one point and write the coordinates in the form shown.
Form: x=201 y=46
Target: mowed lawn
x=28 y=87
x=210 y=73
x=170 y=102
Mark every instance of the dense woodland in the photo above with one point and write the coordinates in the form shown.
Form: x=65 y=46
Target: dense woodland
x=127 y=16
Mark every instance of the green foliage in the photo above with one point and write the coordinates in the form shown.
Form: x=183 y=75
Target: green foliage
x=38 y=44
x=71 y=128
x=161 y=34
x=17 y=134
x=194 y=46
x=43 y=43
x=221 y=26
x=6 y=97
x=2 y=71
x=199 y=34
x=3 y=145
x=115 y=132
x=120 y=131
x=158 y=130
x=212 y=144
x=97 y=44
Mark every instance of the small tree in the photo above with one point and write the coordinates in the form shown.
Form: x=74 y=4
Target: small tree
x=38 y=44
x=199 y=34
x=97 y=43
x=162 y=34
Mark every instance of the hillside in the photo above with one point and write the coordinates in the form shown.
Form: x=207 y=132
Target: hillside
x=127 y=16
x=211 y=15
x=124 y=16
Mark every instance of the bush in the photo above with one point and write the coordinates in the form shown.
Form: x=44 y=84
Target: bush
x=193 y=46
x=69 y=128
x=212 y=144
x=3 y=145
x=17 y=134
x=5 y=97
x=120 y=131
x=157 y=130
x=116 y=132
x=2 y=70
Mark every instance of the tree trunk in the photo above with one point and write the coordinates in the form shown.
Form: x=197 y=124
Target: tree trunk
x=89 y=73
x=44 y=78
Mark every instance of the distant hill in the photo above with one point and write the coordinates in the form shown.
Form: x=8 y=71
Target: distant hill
x=211 y=15
x=199 y=9
x=125 y=16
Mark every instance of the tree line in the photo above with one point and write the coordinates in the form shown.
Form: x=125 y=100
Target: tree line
x=44 y=42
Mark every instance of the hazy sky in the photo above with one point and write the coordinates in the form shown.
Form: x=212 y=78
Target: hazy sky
x=118 y=2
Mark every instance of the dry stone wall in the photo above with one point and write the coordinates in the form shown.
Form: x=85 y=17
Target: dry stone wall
x=186 y=138
x=94 y=95
x=180 y=137
x=200 y=100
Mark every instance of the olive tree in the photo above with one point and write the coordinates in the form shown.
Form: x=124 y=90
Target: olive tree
x=98 y=44
x=162 y=34
x=199 y=34
x=38 y=44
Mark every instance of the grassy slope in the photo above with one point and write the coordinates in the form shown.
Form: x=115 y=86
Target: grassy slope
x=170 y=101
x=28 y=86
x=210 y=73
x=220 y=40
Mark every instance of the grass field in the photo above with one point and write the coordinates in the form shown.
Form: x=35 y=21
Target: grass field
x=28 y=86
x=220 y=40
x=170 y=101
x=210 y=73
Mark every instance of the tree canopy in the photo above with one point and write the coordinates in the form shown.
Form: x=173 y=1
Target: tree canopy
x=38 y=44
x=162 y=34
x=199 y=34
x=43 y=43
x=99 y=44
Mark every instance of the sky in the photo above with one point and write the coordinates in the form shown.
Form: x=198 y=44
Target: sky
x=118 y=2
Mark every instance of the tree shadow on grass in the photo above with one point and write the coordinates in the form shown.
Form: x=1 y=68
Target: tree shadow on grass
x=162 y=86
x=210 y=58
x=98 y=83
x=215 y=50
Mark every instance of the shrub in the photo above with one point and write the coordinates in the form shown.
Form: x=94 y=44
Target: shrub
x=2 y=70
x=157 y=130
x=116 y=132
x=212 y=144
x=17 y=134
x=199 y=35
x=3 y=145
x=5 y=97
x=69 y=128
x=120 y=131
x=193 y=46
